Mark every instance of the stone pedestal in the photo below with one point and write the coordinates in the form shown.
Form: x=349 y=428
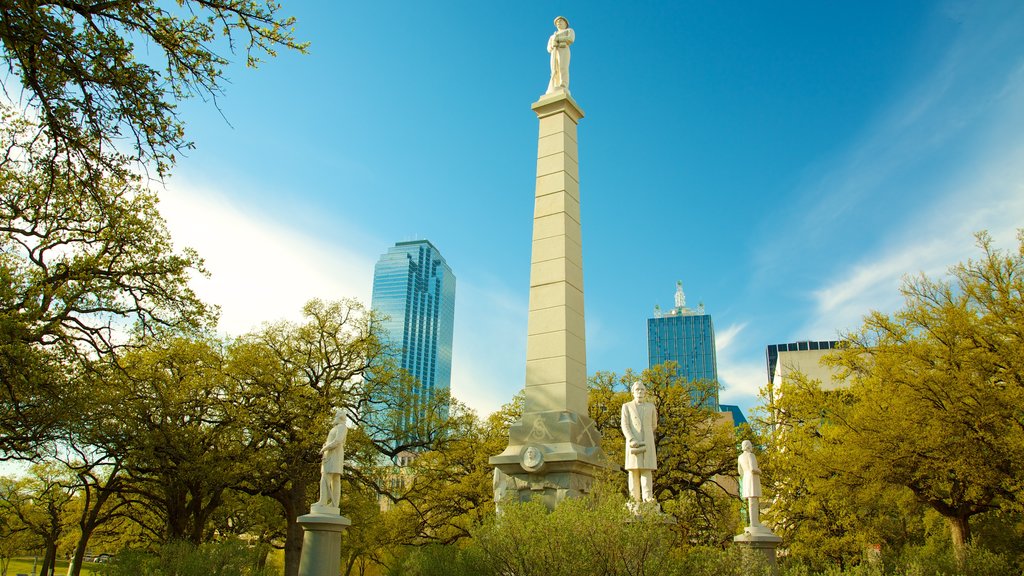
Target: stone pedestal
x=554 y=451
x=760 y=544
x=321 y=544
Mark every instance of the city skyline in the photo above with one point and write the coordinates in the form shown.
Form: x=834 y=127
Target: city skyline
x=790 y=162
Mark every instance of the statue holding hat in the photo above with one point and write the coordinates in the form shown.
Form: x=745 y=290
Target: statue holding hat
x=332 y=464
x=639 y=419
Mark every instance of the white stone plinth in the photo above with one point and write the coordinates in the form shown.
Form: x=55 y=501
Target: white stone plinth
x=321 y=544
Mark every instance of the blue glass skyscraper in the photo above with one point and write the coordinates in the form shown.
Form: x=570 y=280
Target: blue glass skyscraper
x=685 y=336
x=414 y=288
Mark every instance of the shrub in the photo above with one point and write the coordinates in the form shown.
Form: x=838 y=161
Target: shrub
x=229 y=558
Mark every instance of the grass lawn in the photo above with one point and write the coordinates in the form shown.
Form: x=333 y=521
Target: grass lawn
x=24 y=566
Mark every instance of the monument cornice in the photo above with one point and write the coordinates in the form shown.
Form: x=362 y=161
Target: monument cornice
x=557 y=102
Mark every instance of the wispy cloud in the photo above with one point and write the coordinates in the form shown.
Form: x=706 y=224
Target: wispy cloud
x=740 y=378
x=983 y=190
x=262 y=270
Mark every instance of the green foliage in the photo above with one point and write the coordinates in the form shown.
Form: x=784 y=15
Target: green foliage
x=939 y=389
x=85 y=261
x=696 y=449
x=95 y=91
x=714 y=561
x=595 y=535
x=440 y=560
x=929 y=420
x=176 y=558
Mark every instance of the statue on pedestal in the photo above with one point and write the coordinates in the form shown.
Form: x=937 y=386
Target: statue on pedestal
x=750 y=482
x=332 y=465
x=558 y=47
x=639 y=420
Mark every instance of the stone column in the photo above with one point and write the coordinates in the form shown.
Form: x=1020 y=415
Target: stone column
x=759 y=545
x=321 y=544
x=555 y=450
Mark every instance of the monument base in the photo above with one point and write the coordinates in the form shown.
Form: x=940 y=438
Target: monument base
x=759 y=545
x=321 y=544
x=551 y=456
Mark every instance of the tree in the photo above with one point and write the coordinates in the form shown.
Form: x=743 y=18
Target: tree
x=86 y=261
x=78 y=65
x=287 y=379
x=39 y=501
x=696 y=449
x=185 y=450
x=939 y=386
x=85 y=256
x=449 y=489
x=434 y=500
x=821 y=502
x=98 y=486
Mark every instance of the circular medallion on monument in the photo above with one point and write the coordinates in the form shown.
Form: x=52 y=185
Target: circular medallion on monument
x=532 y=459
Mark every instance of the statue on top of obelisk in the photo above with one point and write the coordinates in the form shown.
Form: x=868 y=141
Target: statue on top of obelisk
x=558 y=47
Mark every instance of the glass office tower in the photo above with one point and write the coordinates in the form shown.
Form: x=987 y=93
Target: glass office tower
x=685 y=336
x=415 y=289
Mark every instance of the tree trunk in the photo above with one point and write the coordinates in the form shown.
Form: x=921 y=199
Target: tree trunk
x=960 y=532
x=49 y=559
x=75 y=567
x=90 y=520
x=292 y=499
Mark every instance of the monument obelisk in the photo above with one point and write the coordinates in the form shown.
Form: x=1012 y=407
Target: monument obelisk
x=554 y=451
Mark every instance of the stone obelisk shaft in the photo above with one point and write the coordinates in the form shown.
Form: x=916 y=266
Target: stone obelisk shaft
x=556 y=357
x=554 y=450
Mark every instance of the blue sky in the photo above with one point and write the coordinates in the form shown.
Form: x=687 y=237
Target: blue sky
x=790 y=162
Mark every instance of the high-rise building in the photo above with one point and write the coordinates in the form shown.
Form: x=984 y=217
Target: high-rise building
x=685 y=336
x=414 y=288
x=804 y=357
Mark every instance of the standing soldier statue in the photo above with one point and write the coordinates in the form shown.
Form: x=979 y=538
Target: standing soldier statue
x=558 y=47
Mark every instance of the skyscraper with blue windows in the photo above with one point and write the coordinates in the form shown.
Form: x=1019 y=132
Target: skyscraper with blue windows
x=414 y=288
x=685 y=336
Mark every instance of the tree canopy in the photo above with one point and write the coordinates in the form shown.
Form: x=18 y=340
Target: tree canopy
x=104 y=76
x=933 y=407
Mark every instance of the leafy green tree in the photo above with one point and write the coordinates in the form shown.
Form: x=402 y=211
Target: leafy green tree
x=696 y=448
x=39 y=501
x=86 y=261
x=86 y=258
x=450 y=488
x=186 y=450
x=98 y=484
x=287 y=378
x=939 y=389
x=822 y=504
x=434 y=500
x=592 y=535
x=105 y=75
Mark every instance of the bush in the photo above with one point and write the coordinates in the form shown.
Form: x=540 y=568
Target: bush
x=594 y=535
x=731 y=561
x=230 y=558
x=437 y=559
x=939 y=561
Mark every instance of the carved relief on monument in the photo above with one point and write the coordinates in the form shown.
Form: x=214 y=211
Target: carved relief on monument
x=532 y=459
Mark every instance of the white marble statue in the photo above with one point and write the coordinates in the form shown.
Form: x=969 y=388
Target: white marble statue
x=639 y=420
x=558 y=47
x=332 y=463
x=750 y=481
